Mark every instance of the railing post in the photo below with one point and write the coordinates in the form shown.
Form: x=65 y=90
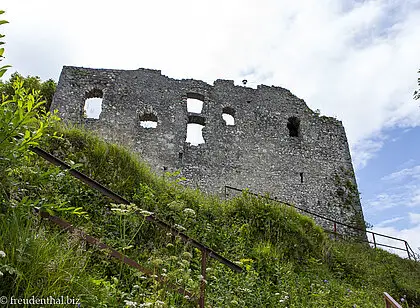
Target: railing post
x=408 y=252
x=374 y=241
x=203 y=278
x=335 y=230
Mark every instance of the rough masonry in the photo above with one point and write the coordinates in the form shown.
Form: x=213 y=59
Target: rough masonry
x=277 y=145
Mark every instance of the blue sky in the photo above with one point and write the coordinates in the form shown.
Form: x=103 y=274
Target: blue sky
x=354 y=60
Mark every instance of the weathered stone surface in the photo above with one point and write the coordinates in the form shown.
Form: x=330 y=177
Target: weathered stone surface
x=313 y=170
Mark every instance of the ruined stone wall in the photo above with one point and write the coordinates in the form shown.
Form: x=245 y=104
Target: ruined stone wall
x=312 y=170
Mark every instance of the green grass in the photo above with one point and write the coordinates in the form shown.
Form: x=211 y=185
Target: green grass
x=288 y=260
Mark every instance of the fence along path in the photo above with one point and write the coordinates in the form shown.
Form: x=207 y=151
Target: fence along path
x=205 y=251
x=374 y=242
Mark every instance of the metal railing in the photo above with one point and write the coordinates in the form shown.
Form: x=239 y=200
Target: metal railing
x=65 y=225
x=205 y=251
x=335 y=224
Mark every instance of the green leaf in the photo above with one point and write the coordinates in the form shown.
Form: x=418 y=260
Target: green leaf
x=1 y=52
x=3 y=22
x=2 y=72
x=27 y=134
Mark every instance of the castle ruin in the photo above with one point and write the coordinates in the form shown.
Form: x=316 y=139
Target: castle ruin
x=276 y=145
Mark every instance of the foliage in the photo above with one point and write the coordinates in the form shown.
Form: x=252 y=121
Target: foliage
x=3 y=68
x=32 y=84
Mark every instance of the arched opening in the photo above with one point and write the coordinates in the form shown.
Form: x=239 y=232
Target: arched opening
x=195 y=102
x=228 y=114
x=293 y=125
x=148 y=120
x=195 y=130
x=92 y=107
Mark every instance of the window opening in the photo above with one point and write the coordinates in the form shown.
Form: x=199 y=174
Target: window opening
x=148 y=120
x=301 y=177
x=293 y=125
x=195 y=134
x=228 y=114
x=195 y=130
x=180 y=155
x=93 y=104
x=195 y=102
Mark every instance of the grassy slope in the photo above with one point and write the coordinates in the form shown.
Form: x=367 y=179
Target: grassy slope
x=289 y=261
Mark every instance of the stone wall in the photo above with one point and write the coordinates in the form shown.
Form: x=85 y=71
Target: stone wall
x=277 y=145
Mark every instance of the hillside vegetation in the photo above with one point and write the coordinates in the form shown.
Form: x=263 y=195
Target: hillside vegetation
x=288 y=261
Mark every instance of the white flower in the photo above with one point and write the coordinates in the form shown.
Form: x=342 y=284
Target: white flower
x=145 y=213
x=2 y=254
x=130 y=303
x=179 y=227
x=189 y=212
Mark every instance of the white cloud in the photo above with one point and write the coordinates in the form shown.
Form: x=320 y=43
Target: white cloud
x=386 y=200
x=357 y=61
x=365 y=150
x=397 y=196
x=407 y=174
x=389 y=221
x=414 y=218
x=401 y=190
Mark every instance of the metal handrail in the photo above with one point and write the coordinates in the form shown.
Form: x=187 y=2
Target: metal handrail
x=110 y=251
x=205 y=250
x=408 y=249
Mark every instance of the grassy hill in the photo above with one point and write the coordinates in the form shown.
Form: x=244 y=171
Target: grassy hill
x=288 y=261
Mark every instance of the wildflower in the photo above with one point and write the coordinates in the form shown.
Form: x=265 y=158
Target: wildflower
x=189 y=212
x=145 y=213
x=402 y=299
x=2 y=254
x=130 y=303
x=325 y=281
x=179 y=227
x=159 y=303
